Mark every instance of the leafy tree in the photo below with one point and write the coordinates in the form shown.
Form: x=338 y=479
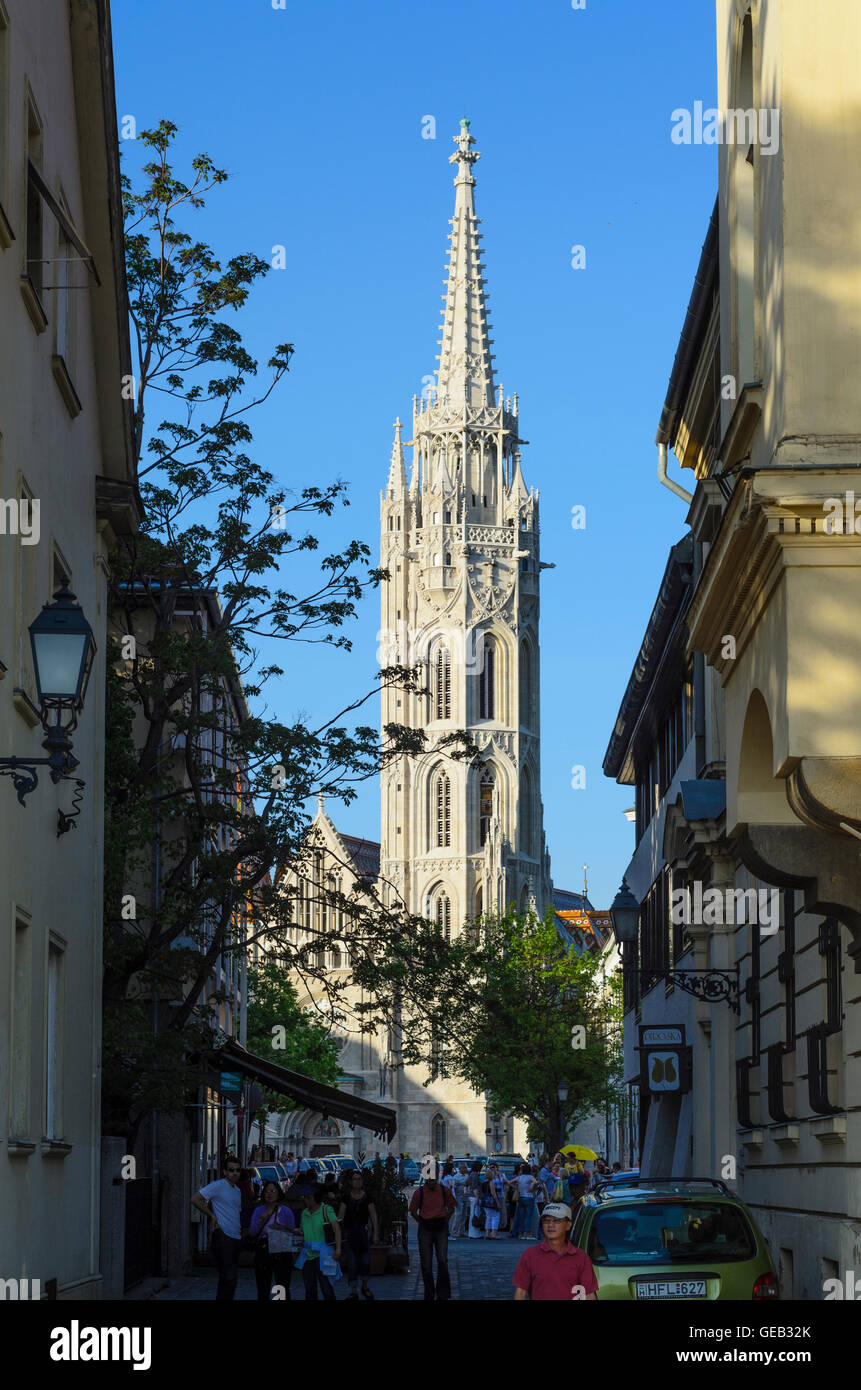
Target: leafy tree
x=509 y=1009
x=205 y=795
x=282 y=1031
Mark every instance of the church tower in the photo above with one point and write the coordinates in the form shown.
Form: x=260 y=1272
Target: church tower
x=460 y=539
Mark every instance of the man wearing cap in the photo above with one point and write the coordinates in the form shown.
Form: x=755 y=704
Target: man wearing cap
x=555 y=1269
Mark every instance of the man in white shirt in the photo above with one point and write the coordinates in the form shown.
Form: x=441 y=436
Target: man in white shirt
x=291 y=1165
x=221 y=1201
x=304 y=1165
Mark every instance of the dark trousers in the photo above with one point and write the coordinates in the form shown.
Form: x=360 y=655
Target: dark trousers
x=272 y=1267
x=358 y=1256
x=226 y=1252
x=430 y=1240
x=312 y=1273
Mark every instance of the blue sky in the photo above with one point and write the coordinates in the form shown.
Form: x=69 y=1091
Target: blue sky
x=317 y=112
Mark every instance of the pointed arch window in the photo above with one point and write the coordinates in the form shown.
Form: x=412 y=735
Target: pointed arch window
x=525 y=685
x=442 y=810
x=439 y=1135
x=441 y=681
x=442 y=914
x=526 y=814
x=486 y=803
x=487 y=681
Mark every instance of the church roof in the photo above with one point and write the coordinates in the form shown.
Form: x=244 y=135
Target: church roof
x=365 y=855
x=563 y=901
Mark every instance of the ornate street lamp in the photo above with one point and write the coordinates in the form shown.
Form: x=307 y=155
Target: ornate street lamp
x=63 y=651
x=712 y=986
x=625 y=916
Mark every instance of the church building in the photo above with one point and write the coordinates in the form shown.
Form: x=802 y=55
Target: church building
x=460 y=539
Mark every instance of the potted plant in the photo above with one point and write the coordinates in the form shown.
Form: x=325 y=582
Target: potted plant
x=390 y=1250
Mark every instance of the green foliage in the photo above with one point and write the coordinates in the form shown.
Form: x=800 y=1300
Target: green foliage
x=383 y=1188
x=206 y=792
x=497 y=1006
x=308 y=1046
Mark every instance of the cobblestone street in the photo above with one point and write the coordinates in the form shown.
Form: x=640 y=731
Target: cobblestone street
x=479 y=1270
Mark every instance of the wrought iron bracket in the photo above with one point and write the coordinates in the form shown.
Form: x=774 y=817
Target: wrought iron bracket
x=25 y=778
x=711 y=986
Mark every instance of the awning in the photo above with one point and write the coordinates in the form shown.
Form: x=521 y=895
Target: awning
x=311 y=1095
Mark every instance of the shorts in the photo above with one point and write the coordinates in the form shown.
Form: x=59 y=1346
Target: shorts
x=491 y=1218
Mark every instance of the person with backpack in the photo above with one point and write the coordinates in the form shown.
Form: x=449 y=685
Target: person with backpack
x=431 y=1206
x=472 y=1190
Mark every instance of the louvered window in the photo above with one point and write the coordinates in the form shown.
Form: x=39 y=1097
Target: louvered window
x=442 y=682
x=443 y=812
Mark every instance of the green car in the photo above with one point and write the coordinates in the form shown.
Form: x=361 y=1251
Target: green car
x=670 y=1239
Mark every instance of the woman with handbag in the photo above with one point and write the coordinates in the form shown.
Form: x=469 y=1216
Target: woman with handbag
x=271 y=1232
x=321 y=1232
x=472 y=1187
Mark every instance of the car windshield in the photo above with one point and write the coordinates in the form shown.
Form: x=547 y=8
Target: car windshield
x=663 y=1233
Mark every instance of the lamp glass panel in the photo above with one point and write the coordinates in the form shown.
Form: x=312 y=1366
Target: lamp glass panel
x=59 y=656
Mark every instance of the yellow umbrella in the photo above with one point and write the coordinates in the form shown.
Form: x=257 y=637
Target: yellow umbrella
x=578 y=1151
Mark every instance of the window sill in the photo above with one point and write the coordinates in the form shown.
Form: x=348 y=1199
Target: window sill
x=33 y=304
x=751 y=1139
x=64 y=381
x=20 y=1148
x=786 y=1136
x=55 y=1148
x=7 y=236
x=831 y=1130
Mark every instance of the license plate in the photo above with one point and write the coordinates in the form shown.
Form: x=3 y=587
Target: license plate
x=671 y=1288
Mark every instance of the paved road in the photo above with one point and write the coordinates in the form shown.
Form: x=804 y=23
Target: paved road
x=480 y=1270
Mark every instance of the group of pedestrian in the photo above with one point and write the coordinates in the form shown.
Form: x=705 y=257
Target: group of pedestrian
x=330 y=1218
x=553 y=1269
x=488 y=1204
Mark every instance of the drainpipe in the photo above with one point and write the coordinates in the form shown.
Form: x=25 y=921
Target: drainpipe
x=668 y=482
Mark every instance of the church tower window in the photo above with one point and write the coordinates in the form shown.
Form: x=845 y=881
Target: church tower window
x=486 y=805
x=441 y=683
x=442 y=808
x=442 y=915
x=487 y=681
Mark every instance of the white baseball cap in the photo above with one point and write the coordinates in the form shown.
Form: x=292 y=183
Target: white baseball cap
x=558 y=1209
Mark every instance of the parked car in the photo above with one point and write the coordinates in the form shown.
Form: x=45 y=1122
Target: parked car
x=412 y=1172
x=343 y=1163
x=269 y=1172
x=508 y=1164
x=625 y=1179
x=671 y=1239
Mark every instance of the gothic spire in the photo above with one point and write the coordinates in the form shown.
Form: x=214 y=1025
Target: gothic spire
x=397 y=469
x=465 y=375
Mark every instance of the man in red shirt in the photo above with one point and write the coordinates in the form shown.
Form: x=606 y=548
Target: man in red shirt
x=432 y=1205
x=555 y=1269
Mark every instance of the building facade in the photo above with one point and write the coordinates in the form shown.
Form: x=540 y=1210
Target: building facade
x=748 y=801
x=67 y=484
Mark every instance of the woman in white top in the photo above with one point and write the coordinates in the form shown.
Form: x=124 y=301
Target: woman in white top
x=525 y=1202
